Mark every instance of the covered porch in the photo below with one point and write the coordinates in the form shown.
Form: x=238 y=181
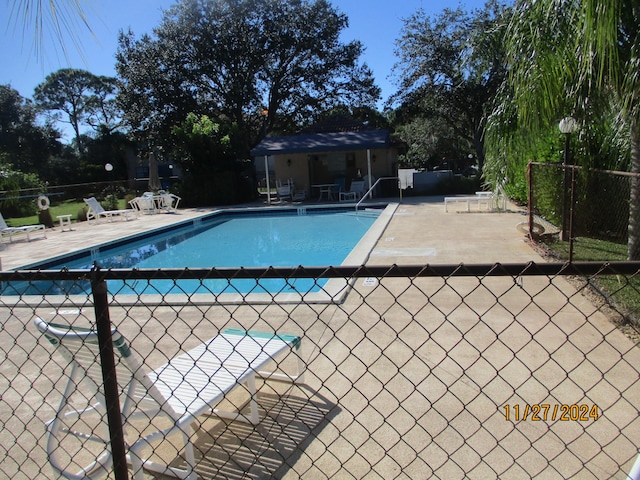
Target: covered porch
x=327 y=162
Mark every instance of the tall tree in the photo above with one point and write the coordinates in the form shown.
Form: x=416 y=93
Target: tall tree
x=451 y=67
x=572 y=56
x=23 y=143
x=102 y=112
x=207 y=157
x=236 y=59
x=80 y=96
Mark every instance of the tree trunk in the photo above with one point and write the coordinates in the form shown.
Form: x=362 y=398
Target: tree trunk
x=633 y=244
x=478 y=145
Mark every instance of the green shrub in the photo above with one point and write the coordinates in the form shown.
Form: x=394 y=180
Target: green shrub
x=110 y=202
x=16 y=203
x=127 y=198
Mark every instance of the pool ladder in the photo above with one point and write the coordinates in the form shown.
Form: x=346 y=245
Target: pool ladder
x=302 y=211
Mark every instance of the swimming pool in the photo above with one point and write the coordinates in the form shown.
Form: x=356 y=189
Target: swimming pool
x=250 y=239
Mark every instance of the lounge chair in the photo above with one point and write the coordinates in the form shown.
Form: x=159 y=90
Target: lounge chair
x=8 y=231
x=634 y=473
x=96 y=211
x=481 y=199
x=154 y=404
x=494 y=201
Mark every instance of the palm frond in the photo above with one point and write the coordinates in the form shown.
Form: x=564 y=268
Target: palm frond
x=59 y=20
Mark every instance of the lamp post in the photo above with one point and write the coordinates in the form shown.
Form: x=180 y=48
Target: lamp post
x=567 y=126
x=109 y=169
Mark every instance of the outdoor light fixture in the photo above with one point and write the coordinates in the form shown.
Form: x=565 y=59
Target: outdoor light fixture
x=108 y=167
x=265 y=117
x=568 y=125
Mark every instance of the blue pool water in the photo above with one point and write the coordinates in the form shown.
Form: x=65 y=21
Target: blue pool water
x=239 y=240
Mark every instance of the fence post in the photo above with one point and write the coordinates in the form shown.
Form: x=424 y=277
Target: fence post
x=108 y=364
x=571 y=211
x=530 y=199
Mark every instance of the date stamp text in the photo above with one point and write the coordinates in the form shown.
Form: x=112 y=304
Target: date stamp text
x=544 y=412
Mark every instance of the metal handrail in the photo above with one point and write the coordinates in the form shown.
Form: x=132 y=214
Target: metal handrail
x=375 y=185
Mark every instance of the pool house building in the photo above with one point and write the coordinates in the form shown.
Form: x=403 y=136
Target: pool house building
x=335 y=152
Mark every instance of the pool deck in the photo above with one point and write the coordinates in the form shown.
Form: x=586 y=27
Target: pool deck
x=420 y=232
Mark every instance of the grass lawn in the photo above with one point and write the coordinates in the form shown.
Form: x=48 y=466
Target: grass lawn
x=591 y=249
x=62 y=208
x=623 y=291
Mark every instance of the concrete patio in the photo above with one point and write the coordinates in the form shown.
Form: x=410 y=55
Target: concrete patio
x=407 y=378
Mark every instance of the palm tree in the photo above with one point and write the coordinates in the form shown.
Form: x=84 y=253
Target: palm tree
x=564 y=56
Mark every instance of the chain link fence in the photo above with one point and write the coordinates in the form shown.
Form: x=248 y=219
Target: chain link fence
x=71 y=191
x=26 y=202
x=591 y=203
x=451 y=371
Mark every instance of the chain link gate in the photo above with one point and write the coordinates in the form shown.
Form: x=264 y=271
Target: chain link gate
x=449 y=371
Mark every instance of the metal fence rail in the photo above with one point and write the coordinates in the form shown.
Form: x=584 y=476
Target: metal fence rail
x=447 y=371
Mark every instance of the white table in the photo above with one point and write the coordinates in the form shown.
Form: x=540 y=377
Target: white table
x=65 y=222
x=325 y=188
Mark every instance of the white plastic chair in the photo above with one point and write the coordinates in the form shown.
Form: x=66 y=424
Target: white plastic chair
x=143 y=204
x=169 y=202
x=284 y=191
x=356 y=189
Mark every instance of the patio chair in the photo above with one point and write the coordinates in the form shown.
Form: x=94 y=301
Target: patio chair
x=359 y=187
x=168 y=201
x=8 y=231
x=154 y=404
x=299 y=195
x=96 y=211
x=143 y=204
x=356 y=189
x=284 y=191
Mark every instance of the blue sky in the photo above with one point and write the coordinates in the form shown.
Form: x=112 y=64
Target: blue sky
x=376 y=23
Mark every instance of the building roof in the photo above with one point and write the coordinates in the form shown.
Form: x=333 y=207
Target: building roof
x=336 y=123
x=322 y=142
